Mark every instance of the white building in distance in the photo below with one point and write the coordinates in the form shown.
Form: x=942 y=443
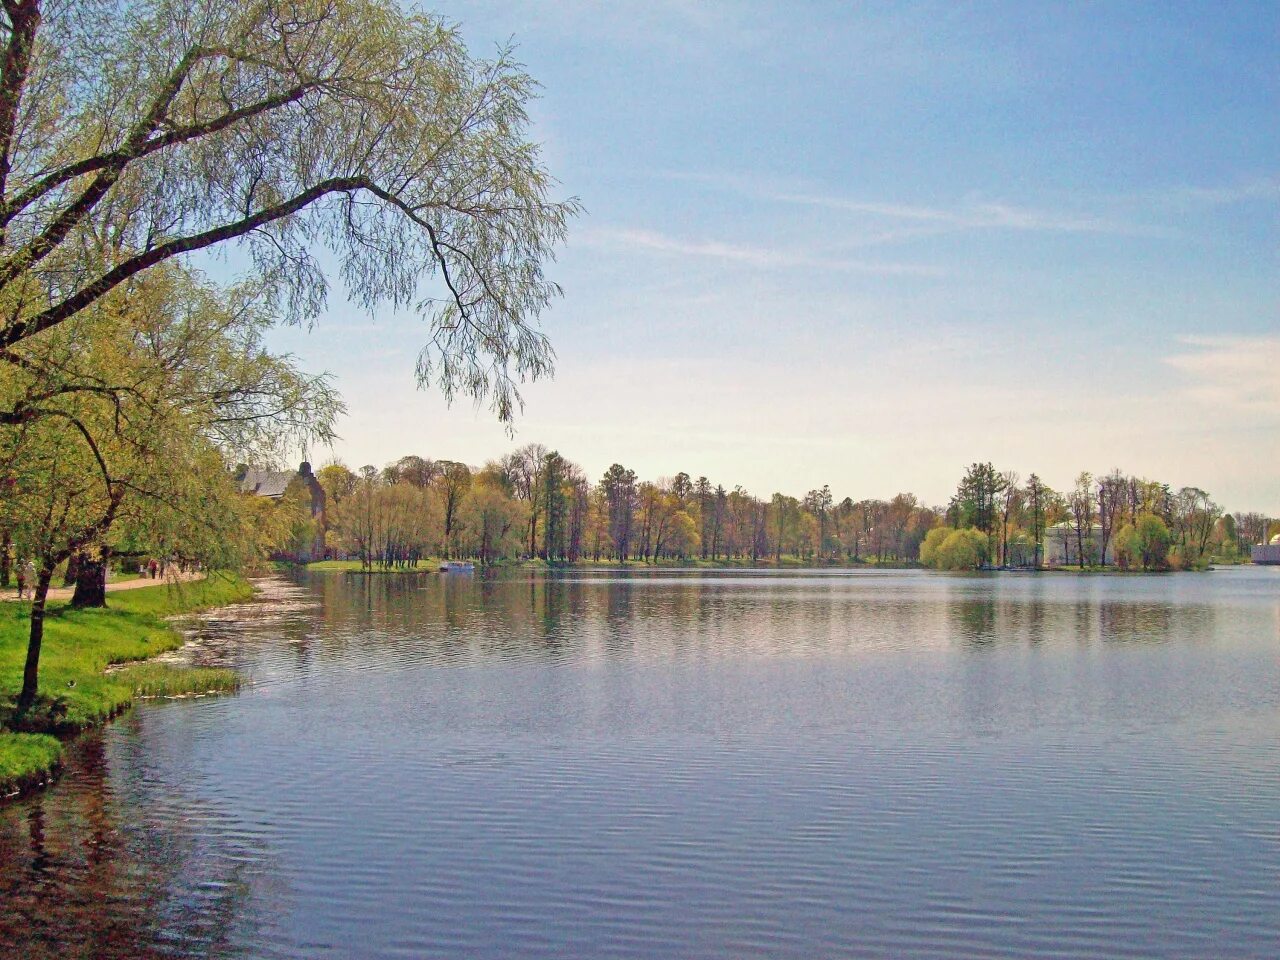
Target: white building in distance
x=1062 y=546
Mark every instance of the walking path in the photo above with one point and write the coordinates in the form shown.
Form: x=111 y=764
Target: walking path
x=65 y=593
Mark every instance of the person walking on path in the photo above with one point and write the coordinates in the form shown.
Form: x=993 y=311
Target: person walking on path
x=27 y=578
x=22 y=579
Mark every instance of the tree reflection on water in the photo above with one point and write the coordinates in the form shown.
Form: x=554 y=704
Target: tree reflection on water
x=90 y=872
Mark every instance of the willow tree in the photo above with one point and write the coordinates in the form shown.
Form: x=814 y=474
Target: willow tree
x=126 y=418
x=197 y=350
x=67 y=476
x=133 y=132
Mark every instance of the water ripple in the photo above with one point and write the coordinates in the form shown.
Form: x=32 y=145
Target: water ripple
x=685 y=765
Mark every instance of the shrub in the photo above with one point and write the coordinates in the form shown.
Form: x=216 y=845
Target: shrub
x=962 y=550
x=1145 y=544
x=945 y=548
x=932 y=541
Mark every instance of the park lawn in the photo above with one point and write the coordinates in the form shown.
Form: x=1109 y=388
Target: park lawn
x=79 y=646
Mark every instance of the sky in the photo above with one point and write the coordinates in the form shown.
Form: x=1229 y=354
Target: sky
x=865 y=245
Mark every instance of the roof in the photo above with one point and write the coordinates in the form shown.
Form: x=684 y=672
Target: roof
x=266 y=483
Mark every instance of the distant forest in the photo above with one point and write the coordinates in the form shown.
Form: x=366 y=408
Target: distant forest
x=535 y=503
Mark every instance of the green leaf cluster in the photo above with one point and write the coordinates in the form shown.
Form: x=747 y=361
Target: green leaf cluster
x=945 y=548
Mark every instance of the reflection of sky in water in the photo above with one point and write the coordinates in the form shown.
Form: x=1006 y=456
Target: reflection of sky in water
x=658 y=764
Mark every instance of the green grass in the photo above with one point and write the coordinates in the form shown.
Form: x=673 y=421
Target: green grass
x=76 y=691
x=153 y=680
x=26 y=759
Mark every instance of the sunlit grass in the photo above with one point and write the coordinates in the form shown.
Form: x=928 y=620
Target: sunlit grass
x=26 y=758
x=169 y=680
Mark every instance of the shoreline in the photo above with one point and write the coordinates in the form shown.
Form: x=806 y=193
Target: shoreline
x=97 y=661
x=429 y=567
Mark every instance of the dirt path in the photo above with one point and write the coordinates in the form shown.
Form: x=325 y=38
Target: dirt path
x=64 y=593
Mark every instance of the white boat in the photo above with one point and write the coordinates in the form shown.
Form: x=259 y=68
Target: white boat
x=457 y=566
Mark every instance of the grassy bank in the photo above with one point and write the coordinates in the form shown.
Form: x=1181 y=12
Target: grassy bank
x=77 y=690
x=765 y=563
x=353 y=566
x=697 y=563
x=26 y=760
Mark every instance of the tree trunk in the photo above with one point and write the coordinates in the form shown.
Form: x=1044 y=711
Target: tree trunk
x=73 y=570
x=6 y=560
x=31 y=672
x=91 y=582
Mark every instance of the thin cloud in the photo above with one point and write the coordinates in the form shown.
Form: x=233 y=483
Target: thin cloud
x=905 y=221
x=1240 y=373
x=969 y=216
x=1254 y=190
x=756 y=256
x=679 y=25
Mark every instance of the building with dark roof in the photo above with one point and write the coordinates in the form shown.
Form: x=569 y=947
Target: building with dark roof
x=274 y=484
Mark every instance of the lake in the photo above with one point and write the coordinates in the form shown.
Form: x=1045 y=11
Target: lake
x=685 y=764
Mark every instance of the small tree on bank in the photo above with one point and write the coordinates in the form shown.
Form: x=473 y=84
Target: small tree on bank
x=945 y=548
x=1144 y=543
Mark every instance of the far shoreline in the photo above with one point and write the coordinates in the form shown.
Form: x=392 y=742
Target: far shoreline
x=429 y=567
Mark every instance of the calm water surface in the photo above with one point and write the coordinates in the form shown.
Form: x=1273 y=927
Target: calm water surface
x=685 y=765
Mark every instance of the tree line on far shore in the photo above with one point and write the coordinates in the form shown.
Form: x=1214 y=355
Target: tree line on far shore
x=533 y=503
x=1113 y=519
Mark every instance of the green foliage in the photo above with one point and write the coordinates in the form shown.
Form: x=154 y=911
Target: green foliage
x=945 y=548
x=152 y=129
x=535 y=503
x=974 y=504
x=1126 y=547
x=139 y=465
x=355 y=566
x=932 y=541
x=1146 y=544
x=389 y=524
x=493 y=524
x=965 y=549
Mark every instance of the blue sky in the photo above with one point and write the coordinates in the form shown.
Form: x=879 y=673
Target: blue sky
x=865 y=245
